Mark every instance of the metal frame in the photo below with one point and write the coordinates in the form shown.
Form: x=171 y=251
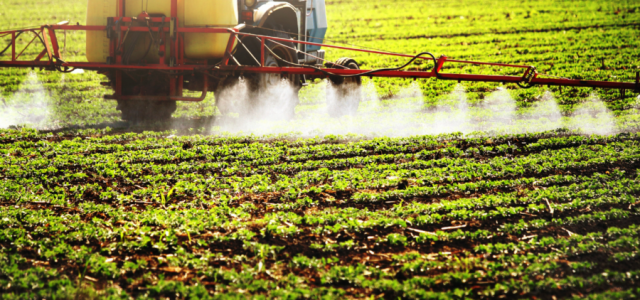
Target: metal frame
x=177 y=62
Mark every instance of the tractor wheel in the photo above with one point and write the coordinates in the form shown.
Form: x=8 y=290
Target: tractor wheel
x=141 y=85
x=146 y=110
x=344 y=93
x=271 y=95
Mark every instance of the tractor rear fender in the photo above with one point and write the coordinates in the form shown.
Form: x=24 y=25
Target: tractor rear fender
x=278 y=15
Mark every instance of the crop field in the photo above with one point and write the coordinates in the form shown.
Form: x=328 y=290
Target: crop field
x=149 y=215
x=435 y=190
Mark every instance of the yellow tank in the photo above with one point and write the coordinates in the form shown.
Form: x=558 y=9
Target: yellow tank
x=132 y=8
x=191 y=13
x=208 y=13
x=97 y=42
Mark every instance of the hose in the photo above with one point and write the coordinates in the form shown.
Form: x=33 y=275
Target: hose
x=65 y=70
x=311 y=10
x=435 y=70
x=530 y=85
x=7 y=48
x=36 y=36
x=355 y=75
x=151 y=42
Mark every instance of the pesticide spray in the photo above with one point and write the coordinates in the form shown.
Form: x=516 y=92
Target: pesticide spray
x=593 y=117
x=451 y=114
x=497 y=111
x=392 y=117
x=407 y=113
x=29 y=106
x=543 y=115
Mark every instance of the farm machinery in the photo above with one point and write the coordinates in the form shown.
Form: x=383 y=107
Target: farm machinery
x=153 y=51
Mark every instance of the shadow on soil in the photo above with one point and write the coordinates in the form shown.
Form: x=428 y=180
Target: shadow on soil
x=200 y=125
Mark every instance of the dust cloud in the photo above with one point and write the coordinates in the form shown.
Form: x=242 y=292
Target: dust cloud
x=29 y=106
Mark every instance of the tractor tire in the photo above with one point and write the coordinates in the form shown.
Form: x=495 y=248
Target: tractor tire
x=144 y=84
x=146 y=110
x=271 y=95
x=344 y=93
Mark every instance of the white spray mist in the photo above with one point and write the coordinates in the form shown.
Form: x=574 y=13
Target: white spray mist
x=234 y=98
x=452 y=113
x=593 y=117
x=29 y=106
x=370 y=95
x=547 y=108
x=389 y=117
x=394 y=116
x=496 y=111
x=543 y=115
x=274 y=103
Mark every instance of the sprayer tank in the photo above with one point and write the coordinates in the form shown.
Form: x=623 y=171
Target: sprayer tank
x=208 y=13
x=191 y=13
x=97 y=42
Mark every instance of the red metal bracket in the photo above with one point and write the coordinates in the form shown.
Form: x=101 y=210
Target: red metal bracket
x=54 y=43
x=41 y=55
x=13 y=46
x=438 y=66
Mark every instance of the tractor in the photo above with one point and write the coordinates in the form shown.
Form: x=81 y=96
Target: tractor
x=141 y=94
x=153 y=51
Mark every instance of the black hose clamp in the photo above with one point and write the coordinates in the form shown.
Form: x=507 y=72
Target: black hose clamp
x=528 y=76
x=110 y=27
x=531 y=73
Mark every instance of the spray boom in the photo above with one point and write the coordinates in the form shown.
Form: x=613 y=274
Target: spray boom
x=49 y=58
